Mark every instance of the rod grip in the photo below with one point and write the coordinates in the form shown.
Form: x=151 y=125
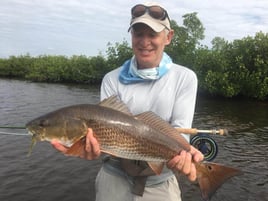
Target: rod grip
x=191 y=131
x=194 y=131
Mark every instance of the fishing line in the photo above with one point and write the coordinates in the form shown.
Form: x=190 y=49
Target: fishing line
x=6 y=133
x=13 y=127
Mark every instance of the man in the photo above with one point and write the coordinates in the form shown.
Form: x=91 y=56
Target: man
x=149 y=81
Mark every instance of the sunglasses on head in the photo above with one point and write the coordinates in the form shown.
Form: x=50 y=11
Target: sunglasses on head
x=155 y=12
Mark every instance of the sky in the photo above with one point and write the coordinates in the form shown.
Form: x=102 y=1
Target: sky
x=85 y=27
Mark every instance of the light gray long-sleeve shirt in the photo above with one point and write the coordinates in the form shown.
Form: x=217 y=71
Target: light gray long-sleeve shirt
x=172 y=97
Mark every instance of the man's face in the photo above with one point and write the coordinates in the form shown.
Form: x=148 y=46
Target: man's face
x=148 y=45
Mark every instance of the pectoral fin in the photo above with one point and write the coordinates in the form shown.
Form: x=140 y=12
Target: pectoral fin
x=156 y=167
x=78 y=148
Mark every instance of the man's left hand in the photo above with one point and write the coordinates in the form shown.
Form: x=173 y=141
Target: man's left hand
x=185 y=162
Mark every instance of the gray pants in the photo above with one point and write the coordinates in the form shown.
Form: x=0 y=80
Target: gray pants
x=117 y=188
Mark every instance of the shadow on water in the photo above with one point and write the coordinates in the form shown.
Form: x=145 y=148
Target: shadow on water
x=48 y=175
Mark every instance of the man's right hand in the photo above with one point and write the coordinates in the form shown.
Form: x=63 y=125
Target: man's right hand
x=92 y=147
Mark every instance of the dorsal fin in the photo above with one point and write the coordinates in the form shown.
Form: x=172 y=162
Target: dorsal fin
x=164 y=127
x=114 y=103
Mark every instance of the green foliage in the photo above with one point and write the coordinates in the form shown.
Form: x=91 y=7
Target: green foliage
x=47 y=69
x=118 y=54
x=87 y=70
x=236 y=68
x=79 y=69
x=15 y=67
x=186 y=39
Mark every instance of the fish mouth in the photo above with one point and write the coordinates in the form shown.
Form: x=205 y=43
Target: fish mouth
x=36 y=133
x=30 y=132
x=35 y=138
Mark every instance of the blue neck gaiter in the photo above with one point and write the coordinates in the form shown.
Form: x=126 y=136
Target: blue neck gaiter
x=130 y=73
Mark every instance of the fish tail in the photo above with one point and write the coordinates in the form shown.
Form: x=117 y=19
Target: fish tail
x=211 y=176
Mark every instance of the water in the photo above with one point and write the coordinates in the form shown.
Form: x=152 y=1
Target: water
x=48 y=175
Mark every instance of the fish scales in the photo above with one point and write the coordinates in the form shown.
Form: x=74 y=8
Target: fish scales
x=126 y=142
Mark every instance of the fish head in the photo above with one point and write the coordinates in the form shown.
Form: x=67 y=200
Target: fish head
x=37 y=129
x=46 y=127
x=62 y=125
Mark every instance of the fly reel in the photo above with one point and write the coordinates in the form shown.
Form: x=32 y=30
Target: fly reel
x=206 y=145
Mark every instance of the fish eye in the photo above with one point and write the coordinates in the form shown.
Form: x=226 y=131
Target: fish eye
x=43 y=122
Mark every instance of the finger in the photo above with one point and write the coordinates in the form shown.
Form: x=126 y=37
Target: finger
x=196 y=154
x=186 y=168
x=59 y=146
x=173 y=162
x=92 y=146
x=180 y=164
x=178 y=161
x=95 y=147
x=89 y=136
x=192 y=176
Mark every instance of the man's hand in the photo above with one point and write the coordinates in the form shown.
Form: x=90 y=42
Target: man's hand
x=92 y=147
x=184 y=162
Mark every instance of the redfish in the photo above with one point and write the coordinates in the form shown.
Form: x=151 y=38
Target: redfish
x=144 y=137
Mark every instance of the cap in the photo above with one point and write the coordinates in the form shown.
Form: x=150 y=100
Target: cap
x=155 y=24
